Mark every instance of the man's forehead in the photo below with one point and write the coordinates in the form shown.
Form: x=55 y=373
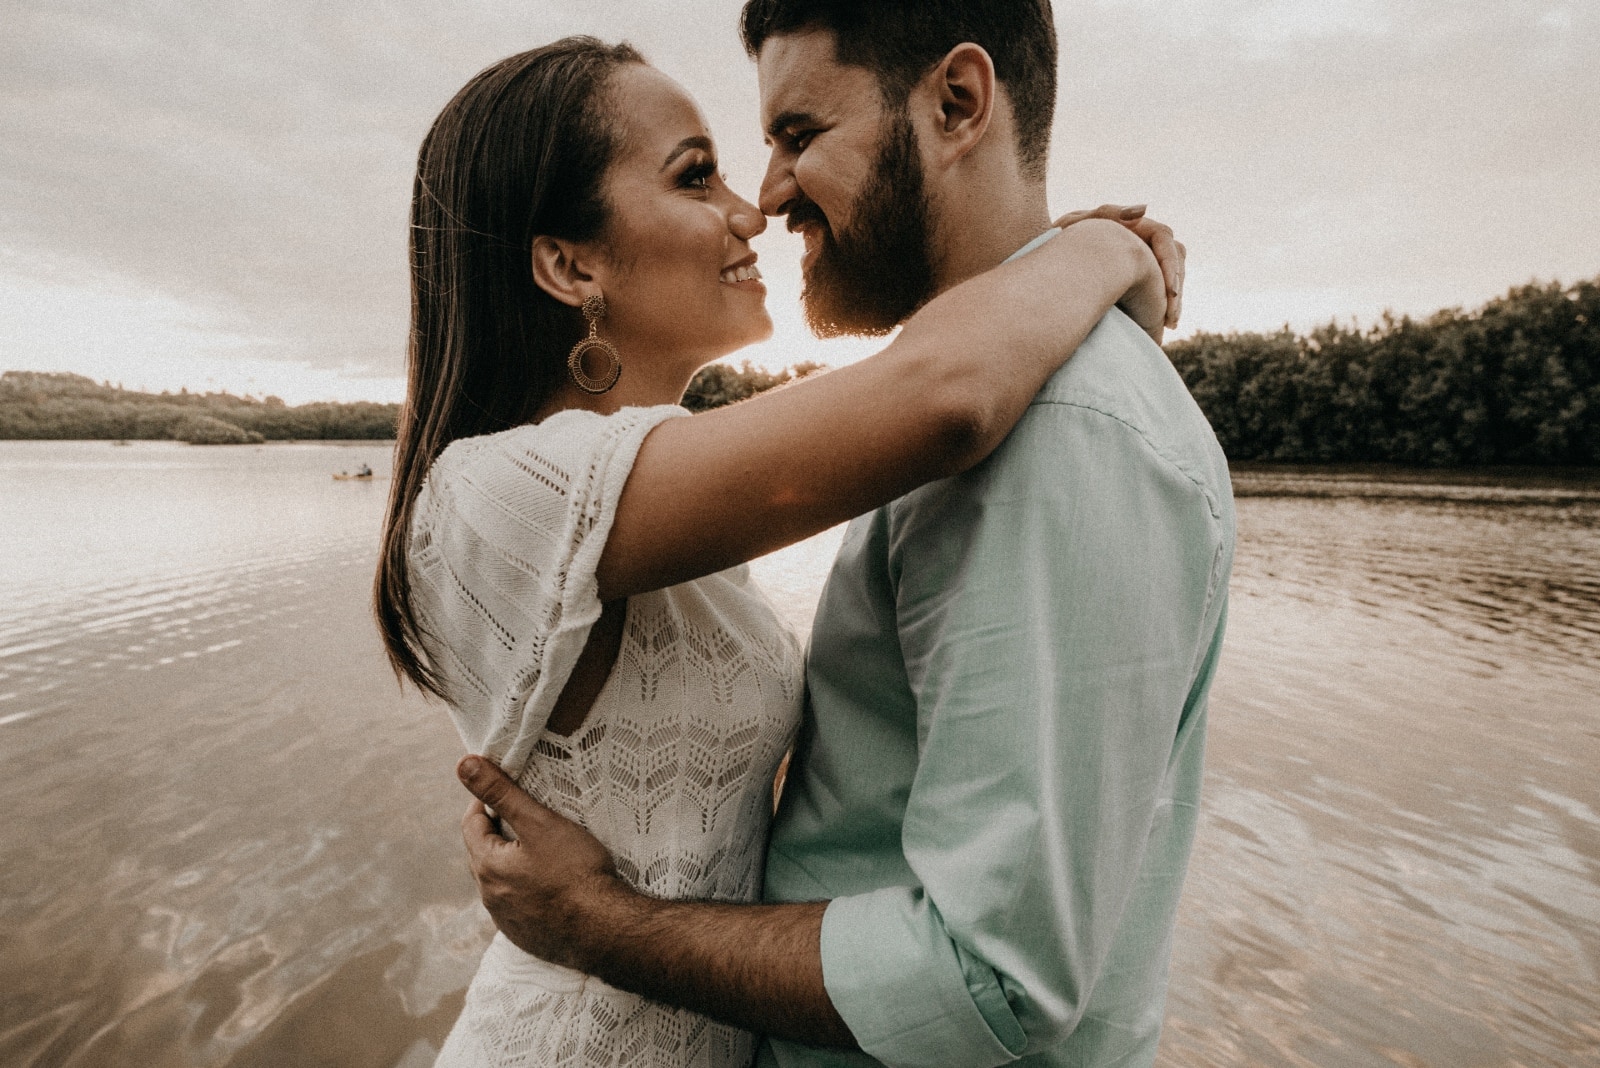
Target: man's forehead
x=800 y=75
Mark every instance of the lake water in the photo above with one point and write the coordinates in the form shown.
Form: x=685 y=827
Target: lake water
x=229 y=840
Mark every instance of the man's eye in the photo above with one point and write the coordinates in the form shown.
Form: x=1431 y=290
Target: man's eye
x=801 y=138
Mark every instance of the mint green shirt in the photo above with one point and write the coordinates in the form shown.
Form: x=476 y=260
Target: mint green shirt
x=996 y=783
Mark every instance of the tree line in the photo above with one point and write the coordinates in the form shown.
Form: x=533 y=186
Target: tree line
x=1516 y=381
x=717 y=384
x=46 y=405
x=36 y=404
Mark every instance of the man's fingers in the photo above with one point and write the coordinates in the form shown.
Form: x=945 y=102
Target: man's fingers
x=478 y=833
x=495 y=789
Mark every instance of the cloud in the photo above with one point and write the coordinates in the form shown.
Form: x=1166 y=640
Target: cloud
x=232 y=181
x=1427 y=155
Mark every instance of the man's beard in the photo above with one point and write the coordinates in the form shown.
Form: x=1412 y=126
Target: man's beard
x=870 y=278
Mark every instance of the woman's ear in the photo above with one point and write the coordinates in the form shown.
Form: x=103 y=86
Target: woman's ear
x=560 y=268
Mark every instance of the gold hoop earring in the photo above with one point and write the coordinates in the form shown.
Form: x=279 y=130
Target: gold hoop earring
x=594 y=309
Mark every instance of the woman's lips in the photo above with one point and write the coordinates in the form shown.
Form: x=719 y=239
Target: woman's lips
x=744 y=276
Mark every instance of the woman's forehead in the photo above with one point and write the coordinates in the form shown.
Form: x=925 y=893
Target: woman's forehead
x=654 y=115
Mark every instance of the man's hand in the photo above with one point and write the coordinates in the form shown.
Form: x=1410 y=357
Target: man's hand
x=1169 y=251
x=541 y=886
x=556 y=894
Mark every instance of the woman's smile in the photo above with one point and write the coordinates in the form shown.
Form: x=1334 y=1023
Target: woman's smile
x=744 y=275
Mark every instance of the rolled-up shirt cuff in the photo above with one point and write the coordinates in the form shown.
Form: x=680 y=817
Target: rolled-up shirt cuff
x=909 y=994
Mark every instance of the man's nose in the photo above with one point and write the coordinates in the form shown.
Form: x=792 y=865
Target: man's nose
x=778 y=186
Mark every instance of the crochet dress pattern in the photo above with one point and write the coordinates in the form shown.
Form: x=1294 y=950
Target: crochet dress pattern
x=672 y=768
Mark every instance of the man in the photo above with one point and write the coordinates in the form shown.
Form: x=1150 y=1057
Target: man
x=986 y=825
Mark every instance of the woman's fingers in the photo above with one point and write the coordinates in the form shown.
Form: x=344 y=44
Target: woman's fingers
x=1170 y=254
x=1169 y=251
x=1114 y=212
x=1175 y=299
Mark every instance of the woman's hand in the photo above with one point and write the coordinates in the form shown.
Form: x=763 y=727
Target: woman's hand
x=1169 y=253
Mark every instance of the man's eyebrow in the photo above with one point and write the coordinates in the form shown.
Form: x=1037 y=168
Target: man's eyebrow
x=698 y=141
x=788 y=120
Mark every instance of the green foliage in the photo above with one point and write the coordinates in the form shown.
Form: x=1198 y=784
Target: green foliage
x=199 y=429
x=717 y=384
x=39 y=405
x=1514 y=382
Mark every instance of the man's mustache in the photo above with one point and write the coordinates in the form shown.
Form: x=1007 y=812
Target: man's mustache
x=804 y=212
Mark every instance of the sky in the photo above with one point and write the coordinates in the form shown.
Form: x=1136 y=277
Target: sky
x=214 y=196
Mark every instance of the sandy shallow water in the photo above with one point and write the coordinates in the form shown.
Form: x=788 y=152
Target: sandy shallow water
x=229 y=840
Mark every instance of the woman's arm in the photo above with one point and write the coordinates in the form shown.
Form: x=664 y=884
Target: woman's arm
x=738 y=482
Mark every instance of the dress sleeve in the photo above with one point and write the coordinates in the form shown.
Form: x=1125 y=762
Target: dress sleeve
x=505 y=542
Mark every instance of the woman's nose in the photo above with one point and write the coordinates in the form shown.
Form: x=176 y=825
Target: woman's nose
x=745 y=219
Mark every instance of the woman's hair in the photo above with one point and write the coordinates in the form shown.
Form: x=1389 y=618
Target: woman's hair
x=521 y=151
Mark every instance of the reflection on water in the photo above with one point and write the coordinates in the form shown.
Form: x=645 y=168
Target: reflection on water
x=1399 y=859
x=230 y=841
x=227 y=837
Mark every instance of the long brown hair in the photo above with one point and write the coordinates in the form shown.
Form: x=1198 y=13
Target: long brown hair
x=521 y=151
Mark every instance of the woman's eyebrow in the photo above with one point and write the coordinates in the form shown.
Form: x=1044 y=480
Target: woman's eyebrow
x=699 y=141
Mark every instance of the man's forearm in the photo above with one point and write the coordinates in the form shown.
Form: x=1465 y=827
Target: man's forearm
x=757 y=966
x=555 y=893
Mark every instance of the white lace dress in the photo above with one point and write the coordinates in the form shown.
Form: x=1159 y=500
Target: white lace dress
x=672 y=768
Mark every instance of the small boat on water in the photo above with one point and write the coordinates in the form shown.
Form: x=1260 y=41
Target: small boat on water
x=360 y=474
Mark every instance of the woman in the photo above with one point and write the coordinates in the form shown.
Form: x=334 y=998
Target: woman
x=560 y=557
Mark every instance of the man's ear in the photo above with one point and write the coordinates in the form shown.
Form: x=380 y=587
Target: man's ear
x=561 y=269
x=962 y=88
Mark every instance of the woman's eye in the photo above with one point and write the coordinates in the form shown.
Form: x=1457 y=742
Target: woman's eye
x=699 y=177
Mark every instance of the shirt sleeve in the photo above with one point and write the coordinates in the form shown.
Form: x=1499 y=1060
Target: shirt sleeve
x=505 y=544
x=1051 y=609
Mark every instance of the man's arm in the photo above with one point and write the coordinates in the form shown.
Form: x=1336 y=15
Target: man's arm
x=555 y=893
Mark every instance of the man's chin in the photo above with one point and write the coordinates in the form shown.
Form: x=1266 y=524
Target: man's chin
x=827 y=322
x=833 y=307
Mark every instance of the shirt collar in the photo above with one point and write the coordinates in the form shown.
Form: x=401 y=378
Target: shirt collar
x=1035 y=243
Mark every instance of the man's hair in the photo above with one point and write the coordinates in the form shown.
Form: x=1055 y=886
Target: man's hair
x=900 y=40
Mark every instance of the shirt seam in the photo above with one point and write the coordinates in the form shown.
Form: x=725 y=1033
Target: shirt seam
x=1166 y=454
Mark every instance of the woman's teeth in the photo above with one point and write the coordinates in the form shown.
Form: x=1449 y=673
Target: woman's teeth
x=741 y=274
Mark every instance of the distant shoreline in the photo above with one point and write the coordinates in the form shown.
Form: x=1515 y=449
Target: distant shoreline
x=56 y=406
x=1326 y=479
x=375 y=442
x=36 y=405
x=1461 y=474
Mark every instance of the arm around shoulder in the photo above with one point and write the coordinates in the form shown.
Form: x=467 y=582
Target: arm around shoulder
x=738 y=482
